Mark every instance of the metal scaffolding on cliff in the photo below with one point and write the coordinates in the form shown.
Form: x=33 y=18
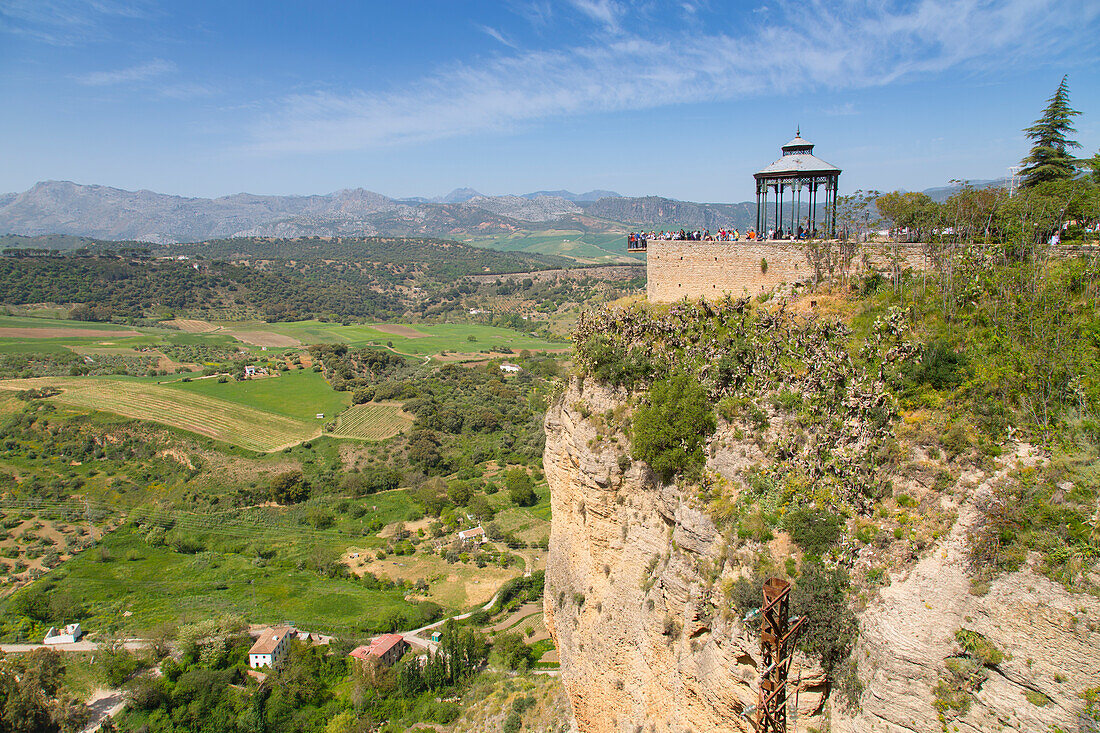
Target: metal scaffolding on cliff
x=778 y=633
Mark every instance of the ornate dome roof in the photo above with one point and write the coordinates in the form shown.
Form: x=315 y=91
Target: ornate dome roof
x=797 y=158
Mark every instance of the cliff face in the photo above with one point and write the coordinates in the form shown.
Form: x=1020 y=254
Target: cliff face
x=634 y=600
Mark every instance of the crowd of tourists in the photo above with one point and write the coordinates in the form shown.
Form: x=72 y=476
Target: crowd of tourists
x=637 y=239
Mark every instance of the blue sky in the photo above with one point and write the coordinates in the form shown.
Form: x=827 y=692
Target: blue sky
x=682 y=99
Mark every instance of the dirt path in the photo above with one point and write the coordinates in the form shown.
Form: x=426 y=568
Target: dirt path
x=104 y=704
x=79 y=646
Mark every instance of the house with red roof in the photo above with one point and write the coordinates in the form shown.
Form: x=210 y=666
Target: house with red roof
x=387 y=649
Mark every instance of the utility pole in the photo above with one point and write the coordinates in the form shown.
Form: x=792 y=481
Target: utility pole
x=778 y=632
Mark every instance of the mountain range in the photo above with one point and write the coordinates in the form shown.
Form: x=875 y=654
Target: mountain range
x=103 y=212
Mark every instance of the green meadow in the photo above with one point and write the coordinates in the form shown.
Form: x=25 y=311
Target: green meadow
x=128 y=584
x=299 y=394
x=584 y=246
x=451 y=337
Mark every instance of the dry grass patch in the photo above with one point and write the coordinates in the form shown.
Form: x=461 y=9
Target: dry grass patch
x=191 y=325
x=454 y=585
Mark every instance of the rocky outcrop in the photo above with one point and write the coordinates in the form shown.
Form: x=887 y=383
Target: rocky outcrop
x=635 y=602
x=1049 y=637
x=633 y=589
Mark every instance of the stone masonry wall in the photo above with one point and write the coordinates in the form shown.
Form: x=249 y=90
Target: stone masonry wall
x=675 y=270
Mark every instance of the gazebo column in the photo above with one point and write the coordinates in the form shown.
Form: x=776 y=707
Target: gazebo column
x=778 y=207
x=758 y=202
x=836 y=190
x=796 y=197
x=813 y=205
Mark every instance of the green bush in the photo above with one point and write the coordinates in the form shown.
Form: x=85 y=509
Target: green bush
x=821 y=596
x=671 y=429
x=289 y=487
x=979 y=647
x=815 y=531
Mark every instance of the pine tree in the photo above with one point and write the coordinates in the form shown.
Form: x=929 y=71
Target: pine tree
x=1049 y=159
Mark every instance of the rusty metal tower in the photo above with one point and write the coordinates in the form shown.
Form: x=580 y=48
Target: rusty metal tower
x=778 y=632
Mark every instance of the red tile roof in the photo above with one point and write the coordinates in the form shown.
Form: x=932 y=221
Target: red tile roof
x=379 y=646
x=269 y=639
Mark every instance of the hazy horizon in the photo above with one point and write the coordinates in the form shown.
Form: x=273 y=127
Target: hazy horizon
x=669 y=99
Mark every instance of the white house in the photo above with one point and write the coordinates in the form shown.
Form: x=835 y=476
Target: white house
x=67 y=635
x=510 y=368
x=475 y=535
x=271 y=648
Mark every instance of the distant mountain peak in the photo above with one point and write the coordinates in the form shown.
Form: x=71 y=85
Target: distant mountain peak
x=574 y=197
x=457 y=196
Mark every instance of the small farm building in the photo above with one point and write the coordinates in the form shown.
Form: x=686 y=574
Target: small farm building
x=271 y=649
x=387 y=649
x=477 y=534
x=67 y=635
x=511 y=368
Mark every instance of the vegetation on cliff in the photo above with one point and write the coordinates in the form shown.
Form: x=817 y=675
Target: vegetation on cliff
x=866 y=412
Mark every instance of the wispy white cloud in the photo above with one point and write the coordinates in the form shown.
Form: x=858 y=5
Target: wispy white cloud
x=605 y=12
x=536 y=12
x=814 y=45
x=497 y=36
x=140 y=72
x=68 y=22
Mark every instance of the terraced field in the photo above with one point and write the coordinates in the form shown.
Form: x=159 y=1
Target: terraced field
x=216 y=418
x=372 y=421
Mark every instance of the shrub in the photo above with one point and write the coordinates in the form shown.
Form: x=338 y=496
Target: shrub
x=670 y=430
x=979 y=647
x=362 y=395
x=814 y=531
x=821 y=596
x=289 y=488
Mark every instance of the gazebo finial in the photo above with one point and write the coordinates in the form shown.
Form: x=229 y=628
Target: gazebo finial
x=798 y=131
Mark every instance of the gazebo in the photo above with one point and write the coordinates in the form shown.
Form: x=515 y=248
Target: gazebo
x=797 y=169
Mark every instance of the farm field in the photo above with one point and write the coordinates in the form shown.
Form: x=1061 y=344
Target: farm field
x=452 y=585
x=215 y=417
x=20 y=334
x=298 y=394
x=47 y=324
x=157 y=584
x=592 y=247
x=436 y=339
x=372 y=421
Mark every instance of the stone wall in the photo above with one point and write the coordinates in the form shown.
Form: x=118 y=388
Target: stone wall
x=676 y=270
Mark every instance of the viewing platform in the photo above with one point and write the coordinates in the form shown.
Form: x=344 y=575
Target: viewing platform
x=642 y=245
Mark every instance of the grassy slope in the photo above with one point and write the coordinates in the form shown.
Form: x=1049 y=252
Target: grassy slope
x=297 y=394
x=585 y=246
x=442 y=337
x=219 y=418
x=158 y=584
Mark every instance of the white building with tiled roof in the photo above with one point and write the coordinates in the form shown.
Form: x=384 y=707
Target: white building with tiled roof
x=271 y=649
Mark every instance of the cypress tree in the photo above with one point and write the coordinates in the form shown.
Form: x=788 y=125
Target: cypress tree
x=1049 y=159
